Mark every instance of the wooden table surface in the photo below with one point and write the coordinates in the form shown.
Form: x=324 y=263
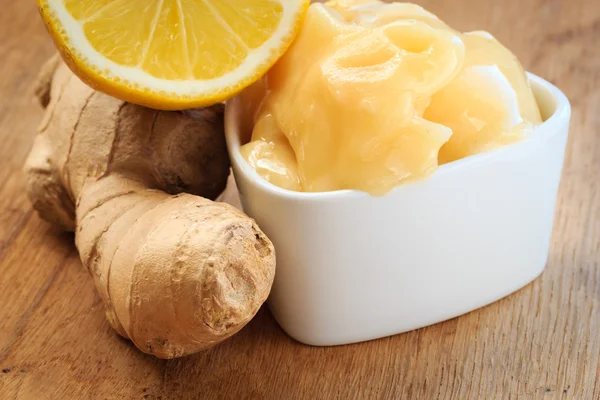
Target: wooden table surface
x=541 y=342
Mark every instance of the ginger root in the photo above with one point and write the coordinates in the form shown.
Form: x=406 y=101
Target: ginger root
x=178 y=272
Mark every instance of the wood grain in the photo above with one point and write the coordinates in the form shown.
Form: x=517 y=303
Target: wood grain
x=541 y=342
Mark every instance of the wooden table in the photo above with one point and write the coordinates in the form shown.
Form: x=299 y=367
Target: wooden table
x=541 y=342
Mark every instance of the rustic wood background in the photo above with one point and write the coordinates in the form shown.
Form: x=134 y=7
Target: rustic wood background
x=542 y=342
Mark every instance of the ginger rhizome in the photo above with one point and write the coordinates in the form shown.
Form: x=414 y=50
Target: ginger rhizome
x=178 y=272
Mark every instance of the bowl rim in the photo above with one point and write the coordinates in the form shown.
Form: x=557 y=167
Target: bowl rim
x=561 y=112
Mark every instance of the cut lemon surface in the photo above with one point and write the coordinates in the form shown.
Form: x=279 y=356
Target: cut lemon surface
x=172 y=54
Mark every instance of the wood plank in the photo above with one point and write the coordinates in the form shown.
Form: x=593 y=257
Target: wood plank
x=541 y=342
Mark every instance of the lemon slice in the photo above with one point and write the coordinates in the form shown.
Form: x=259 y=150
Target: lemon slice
x=172 y=54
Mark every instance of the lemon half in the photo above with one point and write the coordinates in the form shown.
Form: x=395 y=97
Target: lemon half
x=172 y=54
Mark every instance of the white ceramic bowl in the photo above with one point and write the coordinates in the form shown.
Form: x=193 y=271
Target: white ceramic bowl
x=352 y=267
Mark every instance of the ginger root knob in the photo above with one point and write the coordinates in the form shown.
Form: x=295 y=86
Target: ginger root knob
x=177 y=272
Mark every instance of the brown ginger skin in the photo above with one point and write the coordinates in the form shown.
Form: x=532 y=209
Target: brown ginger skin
x=178 y=272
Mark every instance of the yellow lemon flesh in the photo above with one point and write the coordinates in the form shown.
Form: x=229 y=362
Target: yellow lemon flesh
x=172 y=54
